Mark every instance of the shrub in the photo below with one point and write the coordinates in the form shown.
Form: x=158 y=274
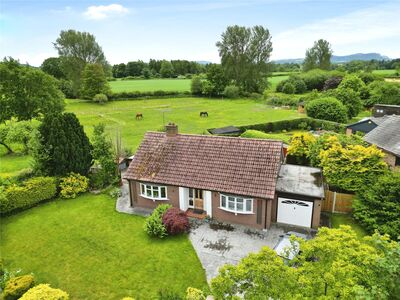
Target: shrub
x=128 y=298
x=350 y=99
x=288 y=88
x=169 y=295
x=17 y=286
x=196 y=86
x=384 y=93
x=332 y=83
x=194 y=294
x=66 y=87
x=154 y=225
x=231 y=91
x=282 y=100
x=367 y=78
x=315 y=79
x=255 y=96
x=100 y=98
x=298 y=84
x=72 y=185
x=28 y=194
x=352 y=82
x=327 y=108
x=175 y=221
x=377 y=205
x=44 y=292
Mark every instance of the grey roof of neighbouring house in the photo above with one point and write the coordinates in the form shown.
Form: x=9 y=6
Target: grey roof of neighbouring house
x=377 y=120
x=300 y=180
x=387 y=135
x=224 y=130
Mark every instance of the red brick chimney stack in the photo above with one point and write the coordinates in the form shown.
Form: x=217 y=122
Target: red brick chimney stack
x=171 y=129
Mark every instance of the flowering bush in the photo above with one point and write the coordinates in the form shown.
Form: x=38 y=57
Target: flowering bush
x=175 y=221
x=44 y=291
x=17 y=286
x=73 y=185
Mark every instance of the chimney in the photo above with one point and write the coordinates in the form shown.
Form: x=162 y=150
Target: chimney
x=171 y=129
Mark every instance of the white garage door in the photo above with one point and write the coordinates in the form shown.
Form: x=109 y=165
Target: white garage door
x=294 y=212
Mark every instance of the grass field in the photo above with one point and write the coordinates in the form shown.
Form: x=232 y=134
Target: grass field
x=87 y=249
x=183 y=111
x=146 y=85
x=180 y=85
x=384 y=72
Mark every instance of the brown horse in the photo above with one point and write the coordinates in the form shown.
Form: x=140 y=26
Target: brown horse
x=203 y=114
x=139 y=116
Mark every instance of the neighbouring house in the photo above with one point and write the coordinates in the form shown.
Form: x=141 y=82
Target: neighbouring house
x=386 y=137
x=365 y=125
x=230 y=179
x=380 y=110
x=228 y=130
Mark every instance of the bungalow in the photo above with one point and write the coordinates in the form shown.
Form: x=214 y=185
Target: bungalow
x=380 y=110
x=234 y=180
x=386 y=137
x=365 y=125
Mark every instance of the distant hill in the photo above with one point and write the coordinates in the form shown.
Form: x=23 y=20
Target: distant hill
x=340 y=59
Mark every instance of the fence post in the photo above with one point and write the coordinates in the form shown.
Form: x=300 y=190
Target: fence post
x=334 y=202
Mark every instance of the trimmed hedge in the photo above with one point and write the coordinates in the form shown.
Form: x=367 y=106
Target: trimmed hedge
x=32 y=191
x=295 y=124
x=146 y=94
x=17 y=286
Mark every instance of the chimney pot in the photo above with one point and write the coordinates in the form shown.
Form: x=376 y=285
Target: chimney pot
x=171 y=129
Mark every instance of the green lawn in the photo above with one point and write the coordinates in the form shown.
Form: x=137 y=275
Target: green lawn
x=87 y=249
x=145 y=85
x=275 y=80
x=183 y=111
x=346 y=219
x=12 y=165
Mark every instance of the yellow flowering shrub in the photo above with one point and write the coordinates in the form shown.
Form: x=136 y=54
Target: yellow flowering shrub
x=44 y=292
x=73 y=185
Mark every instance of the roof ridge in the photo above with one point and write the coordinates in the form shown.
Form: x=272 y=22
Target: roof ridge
x=219 y=136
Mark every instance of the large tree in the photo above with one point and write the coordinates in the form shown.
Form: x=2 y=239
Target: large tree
x=166 y=70
x=63 y=146
x=94 y=81
x=22 y=133
x=319 y=56
x=76 y=49
x=336 y=264
x=245 y=54
x=217 y=79
x=26 y=92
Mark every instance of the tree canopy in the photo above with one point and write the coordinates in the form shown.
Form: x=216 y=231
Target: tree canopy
x=94 y=81
x=27 y=92
x=318 y=56
x=245 y=54
x=335 y=264
x=76 y=49
x=63 y=146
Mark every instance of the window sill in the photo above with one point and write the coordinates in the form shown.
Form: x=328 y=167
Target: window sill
x=154 y=199
x=237 y=212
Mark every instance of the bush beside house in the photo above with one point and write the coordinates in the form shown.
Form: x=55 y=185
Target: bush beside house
x=17 y=286
x=44 y=292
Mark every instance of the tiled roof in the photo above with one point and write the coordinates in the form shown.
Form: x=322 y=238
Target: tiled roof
x=227 y=164
x=376 y=120
x=387 y=135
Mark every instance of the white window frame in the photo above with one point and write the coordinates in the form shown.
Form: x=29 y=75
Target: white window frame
x=235 y=210
x=153 y=188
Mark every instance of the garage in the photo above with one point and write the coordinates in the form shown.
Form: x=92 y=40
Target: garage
x=294 y=212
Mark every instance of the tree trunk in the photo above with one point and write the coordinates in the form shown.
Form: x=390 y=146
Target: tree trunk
x=9 y=150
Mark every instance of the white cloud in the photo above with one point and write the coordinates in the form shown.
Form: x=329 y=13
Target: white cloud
x=101 y=12
x=369 y=28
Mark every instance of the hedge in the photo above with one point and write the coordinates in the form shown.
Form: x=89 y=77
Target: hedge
x=33 y=191
x=146 y=94
x=301 y=123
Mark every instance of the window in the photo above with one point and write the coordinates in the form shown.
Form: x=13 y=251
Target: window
x=236 y=204
x=154 y=192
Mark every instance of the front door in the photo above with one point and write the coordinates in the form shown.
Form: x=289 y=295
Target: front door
x=198 y=200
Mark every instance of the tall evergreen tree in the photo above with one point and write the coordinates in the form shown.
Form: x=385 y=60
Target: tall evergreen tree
x=63 y=146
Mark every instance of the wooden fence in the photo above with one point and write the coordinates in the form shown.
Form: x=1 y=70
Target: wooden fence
x=337 y=202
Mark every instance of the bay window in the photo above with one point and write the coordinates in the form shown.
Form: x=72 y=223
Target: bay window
x=236 y=204
x=152 y=191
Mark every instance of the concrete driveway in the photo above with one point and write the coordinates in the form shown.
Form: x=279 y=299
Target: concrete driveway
x=219 y=245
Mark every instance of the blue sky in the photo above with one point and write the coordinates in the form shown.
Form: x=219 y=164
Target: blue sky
x=132 y=30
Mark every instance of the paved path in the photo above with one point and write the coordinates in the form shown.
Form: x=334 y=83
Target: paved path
x=218 y=247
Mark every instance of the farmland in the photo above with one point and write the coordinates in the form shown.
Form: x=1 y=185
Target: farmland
x=146 y=85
